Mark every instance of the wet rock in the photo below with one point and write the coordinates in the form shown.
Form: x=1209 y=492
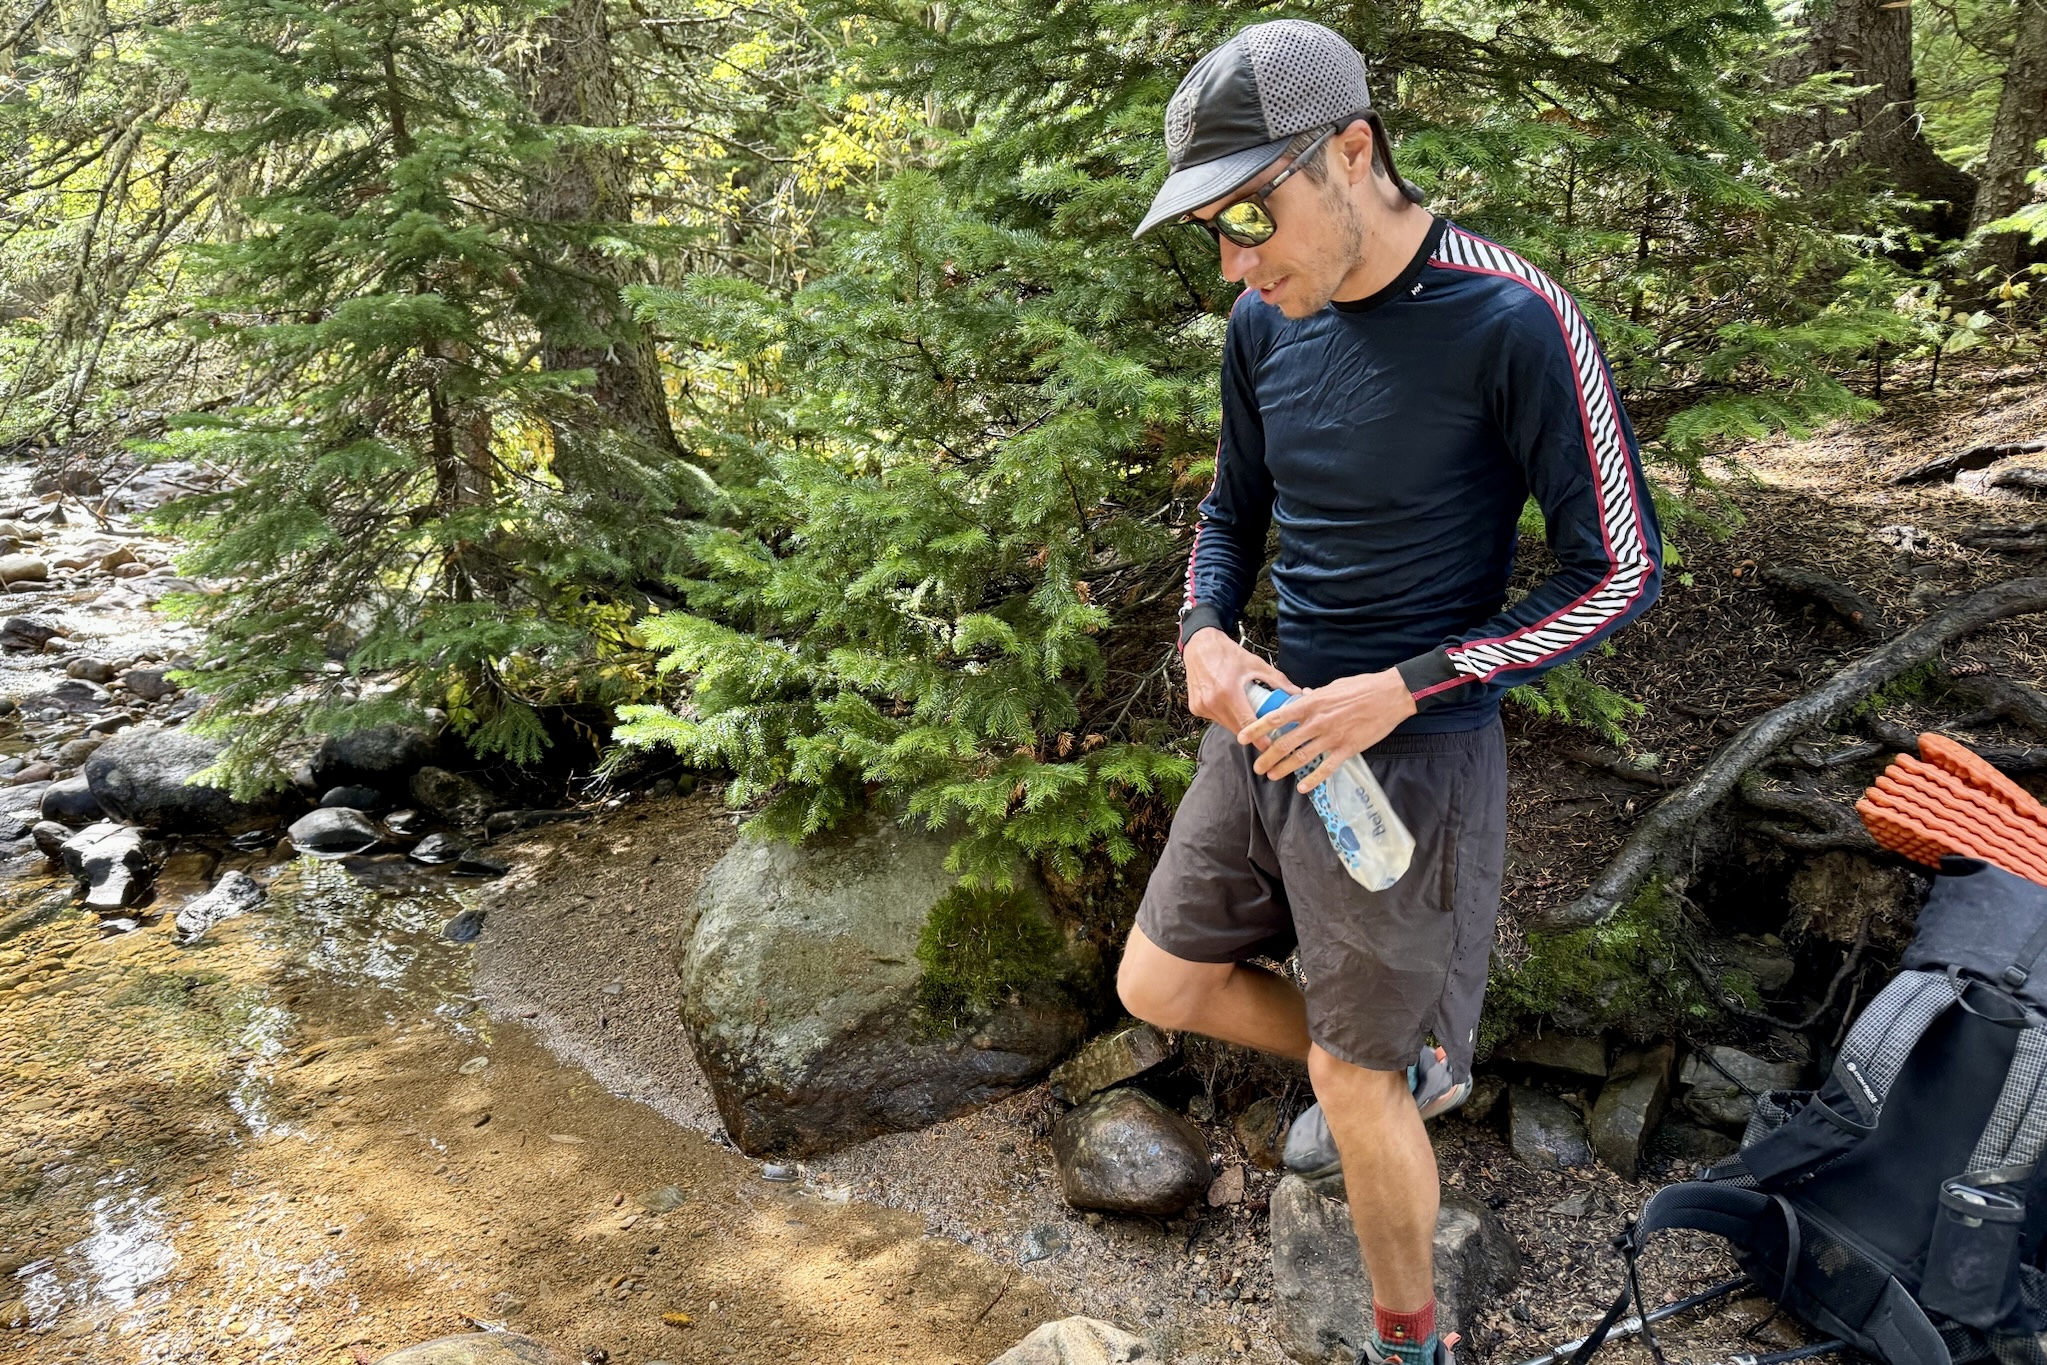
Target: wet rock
x=452 y=797
x=1770 y=967
x=404 y=821
x=1110 y=1059
x=353 y=798
x=70 y=802
x=465 y=927
x=1629 y=1107
x=27 y=633
x=1227 y=1188
x=150 y=684
x=501 y=823
x=23 y=569
x=1321 y=1294
x=1124 y=1152
x=382 y=756
x=142 y=776
x=74 y=753
x=1262 y=1128
x=1545 y=1132
x=811 y=1015
x=73 y=696
x=236 y=893
x=475 y=864
x=1077 y=1341
x=50 y=837
x=112 y=860
x=1716 y=1092
x=38 y=771
x=436 y=849
x=1578 y=1056
x=334 y=832
x=1042 y=1244
x=1685 y=1142
x=13 y=830
x=477 y=1348
x=91 y=670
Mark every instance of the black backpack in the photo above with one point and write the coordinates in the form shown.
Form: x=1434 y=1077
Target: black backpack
x=1902 y=1207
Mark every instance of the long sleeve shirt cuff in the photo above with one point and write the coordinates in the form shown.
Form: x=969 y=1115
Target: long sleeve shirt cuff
x=1198 y=618
x=1430 y=678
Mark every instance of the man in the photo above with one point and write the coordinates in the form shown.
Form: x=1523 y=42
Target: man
x=1393 y=391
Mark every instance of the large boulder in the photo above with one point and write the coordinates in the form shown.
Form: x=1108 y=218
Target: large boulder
x=1545 y=1132
x=1322 y=1297
x=113 y=861
x=1124 y=1152
x=70 y=802
x=1630 y=1106
x=852 y=987
x=383 y=756
x=143 y=776
x=459 y=800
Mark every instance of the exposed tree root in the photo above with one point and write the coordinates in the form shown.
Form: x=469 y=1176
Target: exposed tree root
x=1834 y=825
x=1651 y=845
x=2006 y=759
x=1975 y=457
x=1609 y=762
x=1855 y=610
x=2004 y=699
x=2025 y=479
x=2025 y=538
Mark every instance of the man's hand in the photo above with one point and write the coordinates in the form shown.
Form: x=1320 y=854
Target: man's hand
x=1217 y=669
x=1347 y=717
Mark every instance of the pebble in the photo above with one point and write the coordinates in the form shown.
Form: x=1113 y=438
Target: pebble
x=465 y=927
x=780 y=1174
x=472 y=1066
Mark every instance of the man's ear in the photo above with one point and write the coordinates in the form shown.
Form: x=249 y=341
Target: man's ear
x=1354 y=145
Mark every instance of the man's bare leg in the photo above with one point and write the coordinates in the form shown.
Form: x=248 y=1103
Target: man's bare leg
x=1231 y=1001
x=1390 y=1175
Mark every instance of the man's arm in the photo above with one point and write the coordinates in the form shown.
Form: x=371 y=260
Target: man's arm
x=1554 y=401
x=1228 y=550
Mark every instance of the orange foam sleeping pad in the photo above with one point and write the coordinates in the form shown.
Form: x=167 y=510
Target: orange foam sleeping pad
x=1950 y=801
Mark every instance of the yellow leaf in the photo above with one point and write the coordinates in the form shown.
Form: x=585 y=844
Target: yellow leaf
x=677 y=1319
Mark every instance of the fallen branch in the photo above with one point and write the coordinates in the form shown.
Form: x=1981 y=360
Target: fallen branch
x=2026 y=538
x=2026 y=478
x=1975 y=457
x=2004 y=699
x=1683 y=810
x=1851 y=606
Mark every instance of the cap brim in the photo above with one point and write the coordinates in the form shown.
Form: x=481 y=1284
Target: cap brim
x=1192 y=186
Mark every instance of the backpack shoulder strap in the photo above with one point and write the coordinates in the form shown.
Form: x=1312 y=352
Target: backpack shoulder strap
x=1886 y=1032
x=2017 y=1130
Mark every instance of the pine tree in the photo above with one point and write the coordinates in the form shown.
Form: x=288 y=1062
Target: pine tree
x=965 y=460
x=399 y=508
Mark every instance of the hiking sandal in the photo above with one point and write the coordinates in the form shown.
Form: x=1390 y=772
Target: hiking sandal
x=1311 y=1151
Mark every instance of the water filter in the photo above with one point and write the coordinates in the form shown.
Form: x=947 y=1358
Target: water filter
x=1374 y=847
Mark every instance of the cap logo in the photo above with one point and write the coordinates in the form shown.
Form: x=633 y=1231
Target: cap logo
x=1180 y=123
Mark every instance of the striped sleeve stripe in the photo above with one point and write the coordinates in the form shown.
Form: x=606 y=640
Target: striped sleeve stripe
x=1619 y=512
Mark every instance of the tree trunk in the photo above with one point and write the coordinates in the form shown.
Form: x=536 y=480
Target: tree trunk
x=584 y=324
x=2015 y=138
x=1870 y=41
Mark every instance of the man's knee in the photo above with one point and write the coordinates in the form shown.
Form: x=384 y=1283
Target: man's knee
x=1330 y=1075
x=1162 y=989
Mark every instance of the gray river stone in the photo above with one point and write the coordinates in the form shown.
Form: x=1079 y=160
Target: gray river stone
x=1566 y=1052
x=1722 y=1101
x=150 y=684
x=112 y=860
x=353 y=798
x=802 y=993
x=70 y=802
x=1077 y=1341
x=437 y=848
x=1545 y=1132
x=334 y=831
x=50 y=838
x=234 y=894
x=1321 y=1294
x=27 y=633
x=1124 y=1152
x=143 y=776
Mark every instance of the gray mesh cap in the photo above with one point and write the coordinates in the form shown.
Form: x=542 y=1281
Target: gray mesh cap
x=1242 y=103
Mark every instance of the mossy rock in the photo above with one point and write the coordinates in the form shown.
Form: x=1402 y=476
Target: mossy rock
x=852 y=987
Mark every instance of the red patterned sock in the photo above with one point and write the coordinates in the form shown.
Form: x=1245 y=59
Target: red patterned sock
x=1412 y=1336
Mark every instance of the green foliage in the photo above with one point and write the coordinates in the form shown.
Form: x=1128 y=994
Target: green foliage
x=1567 y=695
x=1625 y=974
x=978 y=946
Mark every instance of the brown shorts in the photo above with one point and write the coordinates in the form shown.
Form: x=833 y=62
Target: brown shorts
x=1248 y=872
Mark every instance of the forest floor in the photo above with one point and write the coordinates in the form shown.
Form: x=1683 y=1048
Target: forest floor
x=325 y=1131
